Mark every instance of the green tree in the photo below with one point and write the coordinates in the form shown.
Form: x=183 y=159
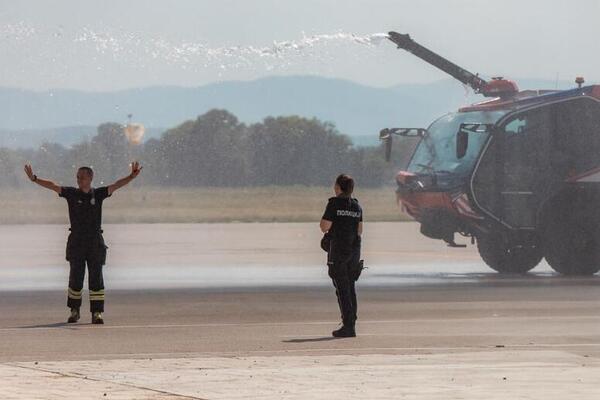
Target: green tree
x=295 y=150
x=209 y=151
x=108 y=153
x=215 y=150
x=53 y=159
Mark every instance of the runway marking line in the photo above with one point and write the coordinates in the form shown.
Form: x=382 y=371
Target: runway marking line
x=248 y=353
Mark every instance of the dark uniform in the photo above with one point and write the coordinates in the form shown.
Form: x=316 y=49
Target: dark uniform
x=343 y=256
x=86 y=245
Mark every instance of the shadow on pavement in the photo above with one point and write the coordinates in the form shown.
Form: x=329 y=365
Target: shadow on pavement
x=54 y=325
x=488 y=279
x=320 y=339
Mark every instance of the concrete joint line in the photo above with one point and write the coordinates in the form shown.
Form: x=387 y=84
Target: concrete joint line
x=78 y=376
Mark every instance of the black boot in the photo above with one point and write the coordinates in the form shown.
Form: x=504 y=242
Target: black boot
x=344 y=332
x=74 y=317
x=97 y=318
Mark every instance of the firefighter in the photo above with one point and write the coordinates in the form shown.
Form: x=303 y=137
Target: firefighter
x=342 y=227
x=85 y=243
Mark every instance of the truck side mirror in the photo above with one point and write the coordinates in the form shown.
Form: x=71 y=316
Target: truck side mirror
x=462 y=143
x=386 y=137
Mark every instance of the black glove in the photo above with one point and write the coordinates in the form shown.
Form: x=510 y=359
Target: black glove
x=326 y=242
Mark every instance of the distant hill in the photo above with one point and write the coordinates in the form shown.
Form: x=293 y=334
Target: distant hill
x=66 y=116
x=67 y=136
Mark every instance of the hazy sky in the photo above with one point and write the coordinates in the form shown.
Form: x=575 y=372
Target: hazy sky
x=105 y=45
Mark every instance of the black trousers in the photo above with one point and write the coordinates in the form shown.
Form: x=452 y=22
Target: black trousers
x=82 y=250
x=344 y=270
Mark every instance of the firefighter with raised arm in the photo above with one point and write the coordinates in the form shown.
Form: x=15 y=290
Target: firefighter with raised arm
x=85 y=243
x=342 y=225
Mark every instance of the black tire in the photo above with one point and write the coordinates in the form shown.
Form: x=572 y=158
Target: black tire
x=572 y=245
x=505 y=259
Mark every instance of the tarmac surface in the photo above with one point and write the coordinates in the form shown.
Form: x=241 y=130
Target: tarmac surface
x=245 y=311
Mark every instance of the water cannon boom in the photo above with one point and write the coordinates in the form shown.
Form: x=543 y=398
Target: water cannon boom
x=498 y=87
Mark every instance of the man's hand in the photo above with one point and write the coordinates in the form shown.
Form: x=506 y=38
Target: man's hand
x=135 y=169
x=42 y=182
x=29 y=172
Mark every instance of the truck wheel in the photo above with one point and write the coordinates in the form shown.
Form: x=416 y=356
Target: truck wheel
x=507 y=260
x=572 y=245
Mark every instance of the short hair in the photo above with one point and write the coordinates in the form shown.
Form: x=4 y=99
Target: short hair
x=89 y=171
x=346 y=184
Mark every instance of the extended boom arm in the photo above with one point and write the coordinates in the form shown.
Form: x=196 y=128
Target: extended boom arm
x=497 y=87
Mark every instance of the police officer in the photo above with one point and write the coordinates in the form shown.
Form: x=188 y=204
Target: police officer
x=85 y=243
x=342 y=225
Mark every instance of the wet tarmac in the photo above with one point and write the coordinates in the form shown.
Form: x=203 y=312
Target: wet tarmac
x=166 y=283
x=246 y=256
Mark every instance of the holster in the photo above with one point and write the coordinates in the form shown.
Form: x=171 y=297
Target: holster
x=356 y=270
x=102 y=249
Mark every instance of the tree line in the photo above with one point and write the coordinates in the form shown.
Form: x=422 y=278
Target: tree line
x=215 y=149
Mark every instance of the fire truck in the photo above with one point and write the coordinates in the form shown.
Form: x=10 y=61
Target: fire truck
x=518 y=173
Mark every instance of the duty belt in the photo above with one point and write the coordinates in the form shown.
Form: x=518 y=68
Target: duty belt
x=85 y=232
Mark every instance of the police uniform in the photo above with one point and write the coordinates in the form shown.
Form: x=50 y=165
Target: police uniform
x=343 y=255
x=85 y=245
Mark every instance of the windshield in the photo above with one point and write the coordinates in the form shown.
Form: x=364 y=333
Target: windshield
x=437 y=150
